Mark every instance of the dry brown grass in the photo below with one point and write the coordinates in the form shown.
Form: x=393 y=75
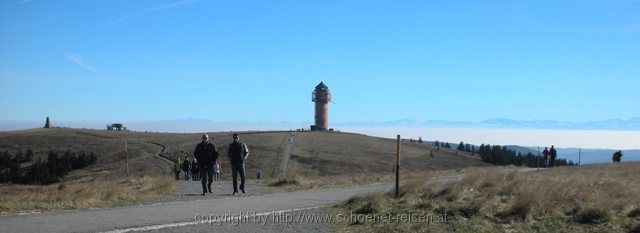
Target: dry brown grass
x=80 y=195
x=326 y=154
x=592 y=198
x=295 y=182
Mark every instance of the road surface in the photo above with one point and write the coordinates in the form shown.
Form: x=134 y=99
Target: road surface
x=176 y=214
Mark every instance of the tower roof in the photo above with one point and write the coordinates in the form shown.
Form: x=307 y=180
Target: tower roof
x=322 y=86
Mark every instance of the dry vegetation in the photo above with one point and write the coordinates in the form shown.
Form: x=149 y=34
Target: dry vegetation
x=295 y=183
x=104 y=184
x=598 y=198
x=79 y=195
x=324 y=154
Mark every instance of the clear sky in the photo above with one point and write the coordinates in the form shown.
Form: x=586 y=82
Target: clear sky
x=260 y=60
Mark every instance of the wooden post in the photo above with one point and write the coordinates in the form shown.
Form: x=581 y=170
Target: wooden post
x=538 y=163
x=579 y=156
x=126 y=158
x=398 y=167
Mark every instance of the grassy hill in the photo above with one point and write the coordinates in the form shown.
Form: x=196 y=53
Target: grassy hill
x=590 y=198
x=323 y=153
x=313 y=155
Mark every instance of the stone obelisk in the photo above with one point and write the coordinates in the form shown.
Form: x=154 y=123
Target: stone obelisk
x=48 y=124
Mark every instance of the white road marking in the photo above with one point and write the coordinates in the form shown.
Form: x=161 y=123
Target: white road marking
x=182 y=224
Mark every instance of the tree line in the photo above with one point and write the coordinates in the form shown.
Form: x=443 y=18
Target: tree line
x=502 y=155
x=442 y=144
x=41 y=172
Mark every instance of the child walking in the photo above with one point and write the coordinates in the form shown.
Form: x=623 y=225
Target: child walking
x=216 y=171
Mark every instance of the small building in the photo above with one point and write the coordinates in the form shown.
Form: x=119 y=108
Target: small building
x=116 y=127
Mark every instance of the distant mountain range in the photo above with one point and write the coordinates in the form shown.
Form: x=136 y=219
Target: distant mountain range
x=611 y=124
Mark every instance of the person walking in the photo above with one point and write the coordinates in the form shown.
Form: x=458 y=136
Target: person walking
x=195 y=171
x=552 y=154
x=216 y=171
x=186 y=167
x=177 y=167
x=206 y=153
x=545 y=153
x=617 y=157
x=238 y=153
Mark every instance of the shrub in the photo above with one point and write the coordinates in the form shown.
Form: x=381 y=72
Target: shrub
x=592 y=216
x=373 y=205
x=285 y=182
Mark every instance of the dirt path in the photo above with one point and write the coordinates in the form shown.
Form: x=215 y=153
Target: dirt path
x=286 y=155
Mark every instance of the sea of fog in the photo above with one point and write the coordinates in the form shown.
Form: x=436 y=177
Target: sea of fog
x=621 y=140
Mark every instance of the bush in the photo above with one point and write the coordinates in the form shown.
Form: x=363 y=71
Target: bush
x=592 y=216
x=285 y=182
x=635 y=228
x=373 y=205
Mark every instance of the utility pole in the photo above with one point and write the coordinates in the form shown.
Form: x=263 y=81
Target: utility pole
x=398 y=166
x=126 y=157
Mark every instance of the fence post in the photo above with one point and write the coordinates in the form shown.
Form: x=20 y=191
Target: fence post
x=579 y=156
x=538 y=158
x=126 y=157
x=398 y=166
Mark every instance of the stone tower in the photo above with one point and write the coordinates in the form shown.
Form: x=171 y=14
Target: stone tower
x=47 y=125
x=321 y=96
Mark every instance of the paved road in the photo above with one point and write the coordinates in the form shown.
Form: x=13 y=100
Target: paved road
x=179 y=214
x=174 y=214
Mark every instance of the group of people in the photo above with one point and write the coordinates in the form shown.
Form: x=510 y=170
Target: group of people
x=206 y=166
x=550 y=156
x=191 y=169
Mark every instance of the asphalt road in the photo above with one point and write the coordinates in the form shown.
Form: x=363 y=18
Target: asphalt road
x=178 y=214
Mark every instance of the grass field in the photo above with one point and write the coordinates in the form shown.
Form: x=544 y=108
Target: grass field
x=595 y=198
x=318 y=159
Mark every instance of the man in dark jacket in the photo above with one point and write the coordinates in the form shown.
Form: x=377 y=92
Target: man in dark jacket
x=186 y=166
x=237 y=153
x=617 y=157
x=553 y=154
x=206 y=153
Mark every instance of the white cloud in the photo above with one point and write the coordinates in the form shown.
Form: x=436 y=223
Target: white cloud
x=151 y=9
x=75 y=58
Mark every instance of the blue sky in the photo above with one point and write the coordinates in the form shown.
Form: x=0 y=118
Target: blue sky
x=259 y=60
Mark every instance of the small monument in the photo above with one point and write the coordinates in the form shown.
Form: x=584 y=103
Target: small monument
x=47 y=125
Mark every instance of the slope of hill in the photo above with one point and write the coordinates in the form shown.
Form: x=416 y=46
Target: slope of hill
x=323 y=153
